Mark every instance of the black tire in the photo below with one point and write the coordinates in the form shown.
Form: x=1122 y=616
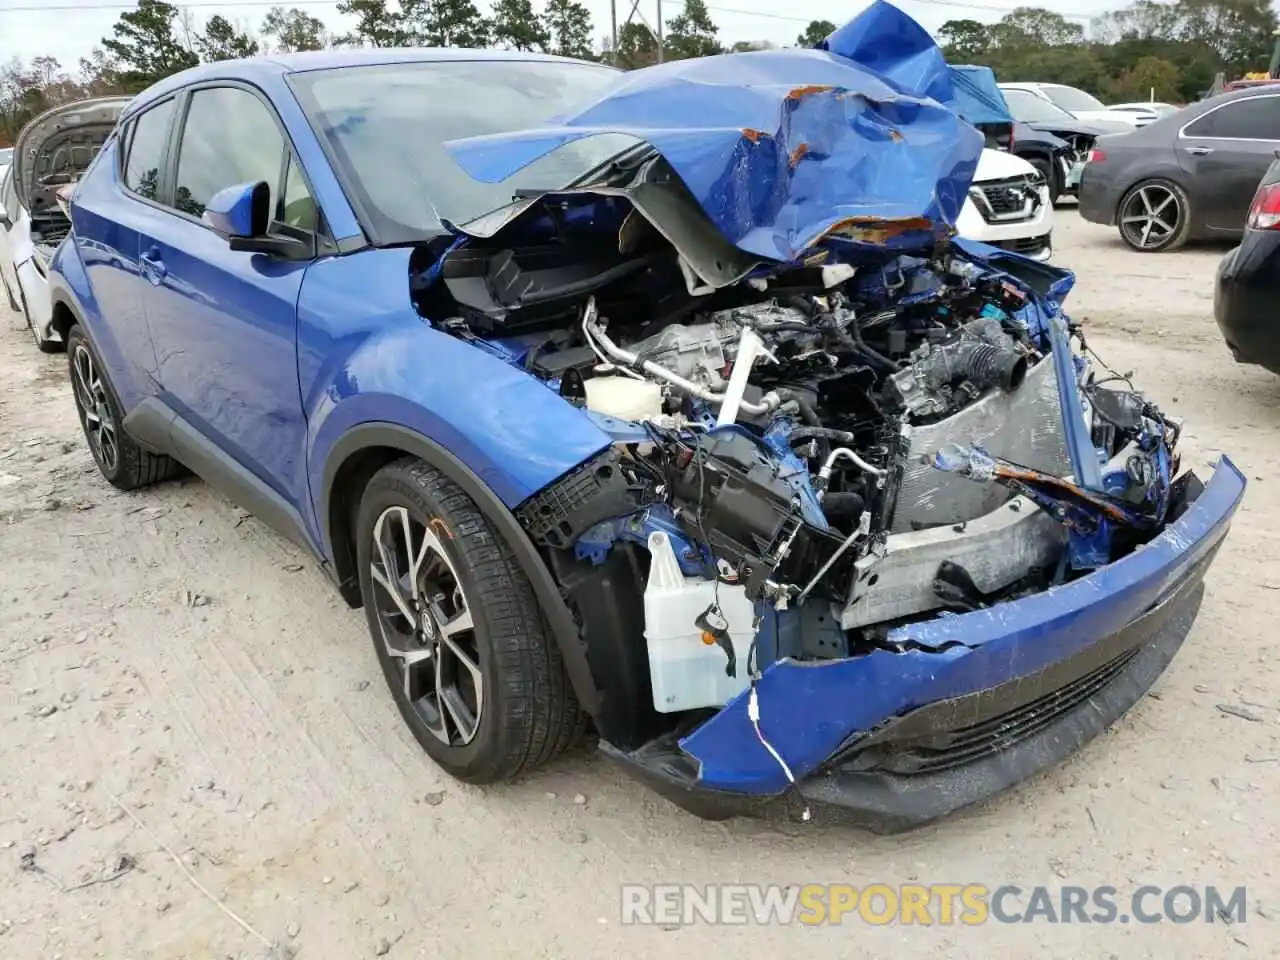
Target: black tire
x=1165 y=242
x=122 y=463
x=529 y=713
x=1050 y=177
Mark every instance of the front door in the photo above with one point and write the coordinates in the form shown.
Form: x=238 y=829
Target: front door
x=224 y=321
x=1227 y=151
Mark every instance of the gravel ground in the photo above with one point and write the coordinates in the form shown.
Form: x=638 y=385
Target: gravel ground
x=189 y=716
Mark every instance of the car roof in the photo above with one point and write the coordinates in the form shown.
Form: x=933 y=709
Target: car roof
x=258 y=69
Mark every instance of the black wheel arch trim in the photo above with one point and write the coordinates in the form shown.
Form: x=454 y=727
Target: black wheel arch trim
x=368 y=436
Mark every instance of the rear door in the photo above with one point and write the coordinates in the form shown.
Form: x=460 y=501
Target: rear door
x=224 y=321
x=9 y=202
x=1226 y=151
x=114 y=202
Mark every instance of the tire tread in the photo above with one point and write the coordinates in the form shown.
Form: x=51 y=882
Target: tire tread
x=539 y=716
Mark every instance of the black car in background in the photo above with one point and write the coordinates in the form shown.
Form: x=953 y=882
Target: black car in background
x=1246 y=301
x=1186 y=176
x=1036 y=115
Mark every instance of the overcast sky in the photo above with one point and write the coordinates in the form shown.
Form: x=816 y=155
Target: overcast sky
x=69 y=29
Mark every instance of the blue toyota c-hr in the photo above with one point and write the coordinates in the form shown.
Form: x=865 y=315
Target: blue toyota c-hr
x=665 y=400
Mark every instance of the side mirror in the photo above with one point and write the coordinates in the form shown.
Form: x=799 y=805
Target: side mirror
x=242 y=214
x=240 y=211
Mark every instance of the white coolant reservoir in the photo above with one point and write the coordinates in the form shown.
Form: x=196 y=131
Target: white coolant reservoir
x=686 y=671
x=624 y=398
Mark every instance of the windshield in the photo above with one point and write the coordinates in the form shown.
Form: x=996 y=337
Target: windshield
x=1028 y=108
x=1071 y=99
x=385 y=127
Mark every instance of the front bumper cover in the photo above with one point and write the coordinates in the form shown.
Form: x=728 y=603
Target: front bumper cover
x=973 y=704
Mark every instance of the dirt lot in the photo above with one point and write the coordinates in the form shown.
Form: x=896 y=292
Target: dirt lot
x=185 y=703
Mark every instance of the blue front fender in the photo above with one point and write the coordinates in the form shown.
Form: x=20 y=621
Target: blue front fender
x=365 y=356
x=810 y=710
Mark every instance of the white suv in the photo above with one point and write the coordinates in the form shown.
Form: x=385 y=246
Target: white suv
x=1008 y=206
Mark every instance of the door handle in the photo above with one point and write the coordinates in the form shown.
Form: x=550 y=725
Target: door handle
x=1198 y=151
x=153 y=267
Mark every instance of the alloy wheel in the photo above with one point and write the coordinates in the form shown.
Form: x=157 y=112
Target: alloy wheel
x=95 y=410
x=425 y=621
x=1151 y=217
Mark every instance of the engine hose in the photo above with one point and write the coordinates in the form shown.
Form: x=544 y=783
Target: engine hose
x=803 y=304
x=807 y=413
x=801 y=434
x=843 y=508
x=983 y=363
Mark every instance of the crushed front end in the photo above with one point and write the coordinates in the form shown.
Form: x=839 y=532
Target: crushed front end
x=871 y=529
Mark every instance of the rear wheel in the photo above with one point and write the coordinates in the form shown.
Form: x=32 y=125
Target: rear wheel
x=459 y=635
x=121 y=461
x=1154 y=216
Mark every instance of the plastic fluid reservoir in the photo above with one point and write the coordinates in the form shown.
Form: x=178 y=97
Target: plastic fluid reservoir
x=687 y=672
x=624 y=397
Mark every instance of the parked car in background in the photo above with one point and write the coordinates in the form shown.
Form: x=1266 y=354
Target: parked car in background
x=1252 y=84
x=1078 y=103
x=1146 y=112
x=52 y=152
x=1010 y=201
x=1009 y=206
x=1079 y=135
x=1188 y=175
x=1246 y=301
x=6 y=158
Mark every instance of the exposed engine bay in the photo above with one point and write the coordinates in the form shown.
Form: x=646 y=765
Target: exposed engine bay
x=849 y=443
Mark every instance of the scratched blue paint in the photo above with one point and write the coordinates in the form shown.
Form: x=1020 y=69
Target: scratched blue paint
x=809 y=709
x=779 y=147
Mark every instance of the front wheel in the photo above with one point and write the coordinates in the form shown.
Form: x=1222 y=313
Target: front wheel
x=1051 y=178
x=1155 y=216
x=458 y=633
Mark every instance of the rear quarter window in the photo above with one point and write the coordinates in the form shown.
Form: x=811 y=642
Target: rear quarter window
x=1253 y=118
x=145 y=142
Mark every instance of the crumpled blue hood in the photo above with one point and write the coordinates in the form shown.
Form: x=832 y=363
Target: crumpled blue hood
x=783 y=148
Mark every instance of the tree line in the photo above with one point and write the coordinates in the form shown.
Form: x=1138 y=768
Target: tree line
x=1174 y=48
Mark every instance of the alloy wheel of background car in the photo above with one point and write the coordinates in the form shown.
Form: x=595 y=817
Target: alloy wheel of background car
x=426 y=626
x=121 y=461
x=1154 y=216
x=458 y=633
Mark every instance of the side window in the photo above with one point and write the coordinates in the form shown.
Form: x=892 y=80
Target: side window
x=296 y=208
x=147 y=137
x=1256 y=118
x=230 y=137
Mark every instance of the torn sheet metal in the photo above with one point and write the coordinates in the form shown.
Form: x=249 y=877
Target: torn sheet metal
x=781 y=148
